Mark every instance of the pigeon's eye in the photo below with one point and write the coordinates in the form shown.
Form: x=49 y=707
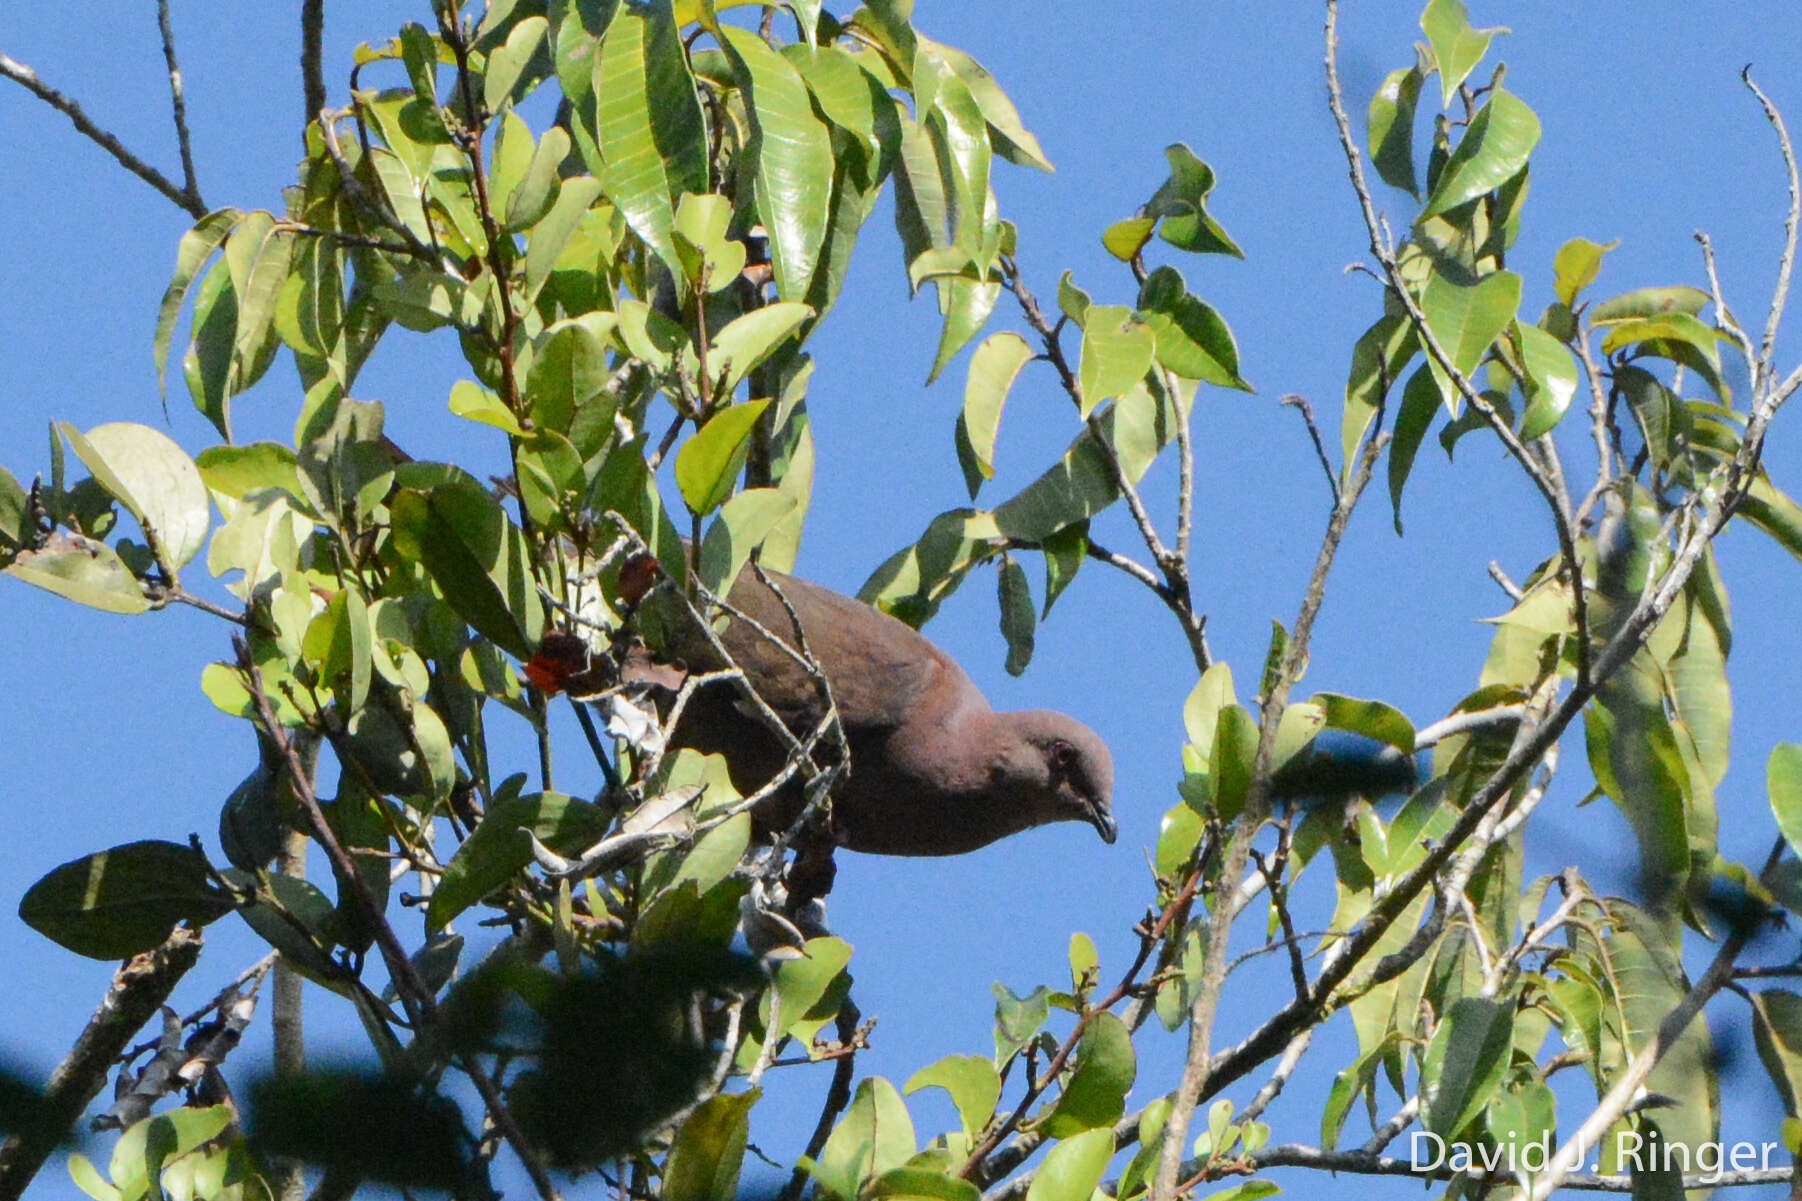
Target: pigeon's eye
x=1063 y=754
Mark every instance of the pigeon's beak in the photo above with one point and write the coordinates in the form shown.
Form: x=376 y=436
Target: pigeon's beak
x=1102 y=818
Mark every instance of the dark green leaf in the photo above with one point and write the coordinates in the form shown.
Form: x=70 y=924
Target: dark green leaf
x=1465 y=1062
x=707 y=1152
x=118 y=902
x=1493 y=150
x=1016 y=614
x=1095 y=1094
x=1392 y=127
x=499 y=847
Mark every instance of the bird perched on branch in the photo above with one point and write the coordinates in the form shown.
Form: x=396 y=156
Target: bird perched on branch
x=934 y=770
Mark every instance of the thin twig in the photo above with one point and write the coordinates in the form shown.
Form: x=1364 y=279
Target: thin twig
x=28 y=79
x=179 y=105
x=1780 y=294
x=1296 y=400
x=312 y=74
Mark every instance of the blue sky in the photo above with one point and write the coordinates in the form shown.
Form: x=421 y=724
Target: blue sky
x=1648 y=137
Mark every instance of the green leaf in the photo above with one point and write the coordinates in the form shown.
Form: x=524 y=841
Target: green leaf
x=1678 y=327
x=196 y=247
x=874 y=1136
x=478 y=559
x=1391 y=125
x=144 y=470
x=1065 y=552
x=1777 y=1030
x=1373 y=719
x=1377 y=361
x=1465 y=1062
x=1457 y=48
x=1575 y=267
x=1420 y=404
x=1124 y=239
x=1783 y=781
x=1017 y=615
x=646 y=124
x=1073 y=1168
x=1072 y=300
x=701 y=223
x=925 y=1183
x=1467 y=320
x=1180 y=203
x=81 y=570
x=1011 y=139
x=1201 y=711
x=743 y=523
x=233 y=471
x=1193 y=341
x=1081 y=484
x=709 y=462
x=1493 y=150
x=1017 y=1019
x=118 y=902
x=1642 y=303
x=752 y=338
x=1095 y=1094
x=507 y=62
x=708 y=1150
x=993 y=369
x=1230 y=761
x=568 y=378
x=552 y=233
x=973 y=1083
x=476 y=403
x=339 y=642
x=1552 y=373
x=536 y=193
x=807 y=987
x=792 y=150
x=1116 y=354
x=499 y=847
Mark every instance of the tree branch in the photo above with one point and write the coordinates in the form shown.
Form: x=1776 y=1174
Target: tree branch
x=28 y=79
x=138 y=990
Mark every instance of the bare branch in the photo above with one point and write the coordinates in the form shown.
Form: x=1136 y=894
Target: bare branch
x=1297 y=401
x=1779 y=295
x=138 y=990
x=312 y=74
x=176 y=102
x=28 y=79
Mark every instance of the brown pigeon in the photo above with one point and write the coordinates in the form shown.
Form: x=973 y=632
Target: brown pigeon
x=934 y=770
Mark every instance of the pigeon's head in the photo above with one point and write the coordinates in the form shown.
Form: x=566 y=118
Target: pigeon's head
x=1060 y=769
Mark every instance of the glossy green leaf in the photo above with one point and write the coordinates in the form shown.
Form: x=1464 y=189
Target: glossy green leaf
x=568 y=376
x=647 y=124
x=536 y=193
x=1230 y=761
x=1465 y=1062
x=709 y=255
x=993 y=369
x=709 y=462
x=1677 y=327
x=792 y=150
x=1457 y=48
x=1493 y=150
x=1553 y=375
x=557 y=228
x=1011 y=139
x=1073 y=1168
x=807 y=985
x=1391 y=124
x=1017 y=614
x=1116 y=354
x=1467 y=320
x=1065 y=552
x=118 y=902
x=234 y=470
x=1095 y=1094
x=750 y=339
x=1192 y=340
x=921 y=1184
x=973 y=1083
